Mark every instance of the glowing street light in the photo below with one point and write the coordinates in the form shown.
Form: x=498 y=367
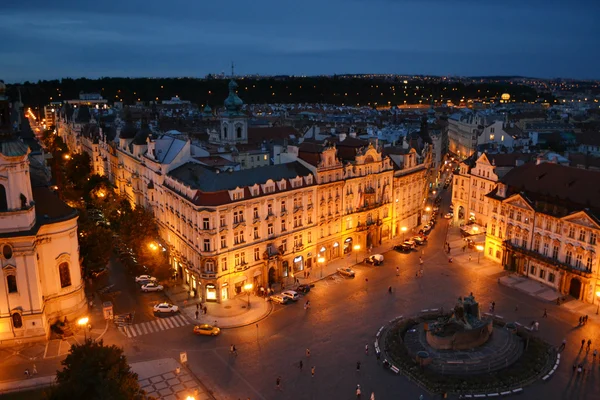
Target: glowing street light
x=403 y=229
x=83 y=322
x=479 y=250
x=598 y=296
x=321 y=261
x=67 y=157
x=153 y=246
x=356 y=249
x=427 y=209
x=248 y=287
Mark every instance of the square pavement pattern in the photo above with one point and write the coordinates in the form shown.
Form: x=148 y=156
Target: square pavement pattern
x=157 y=325
x=159 y=378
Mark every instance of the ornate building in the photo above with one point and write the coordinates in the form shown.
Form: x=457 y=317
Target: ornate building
x=544 y=224
x=42 y=280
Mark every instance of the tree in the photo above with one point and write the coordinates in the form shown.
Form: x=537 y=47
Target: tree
x=95 y=244
x=93 y=371
x=78 y=168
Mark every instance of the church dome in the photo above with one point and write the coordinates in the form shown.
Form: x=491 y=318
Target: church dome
x=10 y=146
x=233 y=103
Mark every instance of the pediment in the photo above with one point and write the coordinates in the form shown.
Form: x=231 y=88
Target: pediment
x=518 y=201
x=581 y=218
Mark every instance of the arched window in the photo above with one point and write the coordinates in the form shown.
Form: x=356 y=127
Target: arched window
x=17 y=320
x=65 y=275
x=11 y=283
x=239 y=132
x=3 y=201
x=224 y=132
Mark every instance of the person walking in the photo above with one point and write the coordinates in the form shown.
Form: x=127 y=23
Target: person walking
x=397 y=271
x=589 y=344
x=233 y=350
x=312 y=371
x=389 y=289
x=367 y=349
x=278 y=383
x=358 y=366
x=563 y=345
x=197 y=307
x=493 y=306
x=537 y=326
x=27 y=373
x=34 y=370
x=358 y=392
x=300 y=365
x=582 y=344
x=205 y=310
x=594 y=354
x=307 y=352
x=197 y=313
x=545 y=313
x=580 y=320
x=372 y=396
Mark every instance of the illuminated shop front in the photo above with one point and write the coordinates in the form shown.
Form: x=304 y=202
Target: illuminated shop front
x=348 y=246
x=224 y=291
x=211 y=292
x=298 y=263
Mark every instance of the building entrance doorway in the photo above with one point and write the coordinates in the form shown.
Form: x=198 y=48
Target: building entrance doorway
x=575 y=288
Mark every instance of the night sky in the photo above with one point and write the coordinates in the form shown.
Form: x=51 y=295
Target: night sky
x=77 y=38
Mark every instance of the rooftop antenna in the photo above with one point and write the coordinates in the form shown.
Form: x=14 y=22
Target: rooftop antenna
x=232 y=70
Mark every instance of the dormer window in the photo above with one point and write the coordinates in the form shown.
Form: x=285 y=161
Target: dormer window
x=237 y=194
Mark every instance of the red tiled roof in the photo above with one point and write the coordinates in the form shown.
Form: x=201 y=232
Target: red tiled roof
x=259 y=135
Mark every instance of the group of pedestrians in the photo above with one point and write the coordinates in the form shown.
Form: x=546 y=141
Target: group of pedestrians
x=583 y=320
x=589 y=345
x=32 y=373
x=200 y=309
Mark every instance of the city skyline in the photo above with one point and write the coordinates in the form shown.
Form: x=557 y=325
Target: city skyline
x=73 y=39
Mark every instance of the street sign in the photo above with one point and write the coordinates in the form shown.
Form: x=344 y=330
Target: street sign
x=183 y=357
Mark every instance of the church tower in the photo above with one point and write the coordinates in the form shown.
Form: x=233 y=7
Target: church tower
x=17 y=211
x=234 y=123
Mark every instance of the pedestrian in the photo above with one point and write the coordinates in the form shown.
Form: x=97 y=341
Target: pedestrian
x=358 y=392
x=537 y=326
x=300 y=365
x=27 y=373
x=589 y=344
x=233 y=350
x=205 y=310
x=469 y=257
x=421 y=260
x=358 y=366
x=448 y=249
x=307 y=352
x=582 y=343
x=278 y=383
x=197 y=308
x=372 y=396
x=586 y=318
x=390 y=290
x=34 y=370
x=312 y=371
x=545 y=314
x=493 y=306
x=594 y=354
x=580 y=320
x=464 y=248
x=397 y=271
x=366 y=280
x=308 y=274
x=197 y=313
x=366 y=349
x=563 y=345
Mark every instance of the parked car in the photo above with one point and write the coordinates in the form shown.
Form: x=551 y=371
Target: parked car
x=207 y=330
x=303 y=288
x=152 y=287
x=403 y=248
x=411 y=243
x=165 y=308
x=375 y=259
x=347 y=272
x=420 y=240
x=290 y=294
x=278 y=298
x=449 y=215
x=145 y=278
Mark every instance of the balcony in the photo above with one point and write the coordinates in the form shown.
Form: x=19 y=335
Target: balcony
x=208 y=275
x=548 y=260
x=299 y=208
x=242 y=267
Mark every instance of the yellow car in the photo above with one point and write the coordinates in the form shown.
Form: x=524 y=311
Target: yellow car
x=205 y=329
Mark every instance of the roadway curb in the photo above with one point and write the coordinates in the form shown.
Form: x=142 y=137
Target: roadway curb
x=265 y=315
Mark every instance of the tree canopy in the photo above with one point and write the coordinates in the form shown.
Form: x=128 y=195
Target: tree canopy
x=93 y=371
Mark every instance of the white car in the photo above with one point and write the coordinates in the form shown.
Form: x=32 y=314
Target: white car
x=277 y=298
x=449 y=215
x=166 y=308
x=152 y=287
x=290 y=294
x=347 y=272
x=145 y=278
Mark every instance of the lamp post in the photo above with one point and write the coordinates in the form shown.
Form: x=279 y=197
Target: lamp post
x=403 y=229
x=321 y=261
x=598 y=296
x=248 y=287
x=83 y=322
x=479 y=250
x=356 y=249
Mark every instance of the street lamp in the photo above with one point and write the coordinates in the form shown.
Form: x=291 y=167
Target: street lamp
x=248 y=287
x=598 y=296
x=479 y=250
x=356 y=249
x=321 y=261
x=82 y=322
x=403 y=229
x=427 y=208
x=152 y=246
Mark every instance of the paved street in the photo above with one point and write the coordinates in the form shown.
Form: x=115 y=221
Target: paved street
x=345 y=314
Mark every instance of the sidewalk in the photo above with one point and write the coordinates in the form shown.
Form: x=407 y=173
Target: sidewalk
x=233 y=313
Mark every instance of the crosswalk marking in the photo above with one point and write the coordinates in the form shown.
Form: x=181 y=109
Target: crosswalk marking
x=157 y=325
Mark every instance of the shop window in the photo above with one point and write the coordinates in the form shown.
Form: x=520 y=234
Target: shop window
x=551 y=277
x=542 y=274
x=532 y=269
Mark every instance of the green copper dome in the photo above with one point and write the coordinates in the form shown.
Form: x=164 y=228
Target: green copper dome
x=233 y=104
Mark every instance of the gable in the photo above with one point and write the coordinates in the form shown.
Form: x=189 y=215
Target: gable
x=483 y=160
x=518 y=201
x=581 y=218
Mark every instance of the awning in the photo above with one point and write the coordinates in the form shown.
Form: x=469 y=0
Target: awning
x=257 y=272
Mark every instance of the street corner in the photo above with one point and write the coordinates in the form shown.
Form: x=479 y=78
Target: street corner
x=22 y=352
x=258 y=310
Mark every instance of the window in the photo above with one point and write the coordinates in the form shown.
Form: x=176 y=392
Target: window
x=205 y=224
x=548 y=225
x=240 y=194
x=588 y=263
x=7 y=251
x=238 y=237
x=545 y=252
x=256 y=254
x=238 y=216
x=297 y=221
x=473 y=194
x=269 y=209
x=493 y=231
x=11 y=283
x=256 y=236
x=255 y=212
x=209 y=266
x=551 y=277
x=519 y=216
x=578 y=261
x=536 y=245
x=309 y=219
x=236 y=260
x=206 y=244
x=511 y=213
x=16 y=318
x=222 y=222
x=542 y=273
x=297 y=202
x=283 y=225
x=571 y=232
x=568 y=257
x=223 y=264
x=555 y=252
x=592 y=237
x=309 y=237
x=283 y=209
x=223 y=241
x=284 y=245
x=65 y=275
x=532 y=269
x=582 y=235
x=270 y=229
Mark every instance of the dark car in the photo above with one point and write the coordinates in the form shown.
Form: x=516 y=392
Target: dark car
x=403 y=248
x=303 y=288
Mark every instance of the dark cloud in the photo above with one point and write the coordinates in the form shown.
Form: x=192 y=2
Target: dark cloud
x=182 y=38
